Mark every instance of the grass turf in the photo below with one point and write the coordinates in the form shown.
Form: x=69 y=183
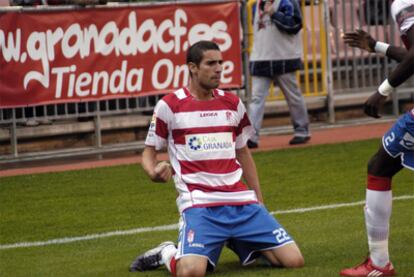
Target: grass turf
x=77 y=203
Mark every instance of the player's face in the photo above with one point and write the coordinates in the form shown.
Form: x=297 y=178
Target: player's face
x=208 y=72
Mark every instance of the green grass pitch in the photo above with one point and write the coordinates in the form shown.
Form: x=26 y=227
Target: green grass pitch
x=70 y=204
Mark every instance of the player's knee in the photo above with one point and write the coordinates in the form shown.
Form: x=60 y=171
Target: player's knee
x=288 y=256
x=191 y=270
x=384 y=165
x=296 y=261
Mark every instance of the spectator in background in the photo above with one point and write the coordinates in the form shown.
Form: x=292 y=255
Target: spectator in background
x=276 y=55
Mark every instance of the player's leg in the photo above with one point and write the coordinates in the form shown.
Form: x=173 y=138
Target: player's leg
x=288 y=256
x=191 y=266
x=164 y=254
x=200 y=243
x=270 y=240
x=385 y=163
x=201 y=239
x=381 y=168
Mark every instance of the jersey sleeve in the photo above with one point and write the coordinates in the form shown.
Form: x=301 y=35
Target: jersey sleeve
x=157 y=135
x=403 y=14
x=244 y=129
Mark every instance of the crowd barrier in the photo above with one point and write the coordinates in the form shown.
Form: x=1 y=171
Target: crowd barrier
x=83 y=65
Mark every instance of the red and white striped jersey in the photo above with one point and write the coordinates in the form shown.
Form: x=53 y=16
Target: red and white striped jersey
x=402 y=11
x=202 y=138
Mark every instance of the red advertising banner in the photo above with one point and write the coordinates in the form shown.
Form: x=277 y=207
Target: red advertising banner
x=59 y=56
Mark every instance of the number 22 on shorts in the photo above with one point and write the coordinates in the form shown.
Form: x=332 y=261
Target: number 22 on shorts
x=281 y=235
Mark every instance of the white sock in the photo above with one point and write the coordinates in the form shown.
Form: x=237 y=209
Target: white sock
x=167 y=254
x=379 y=252
x=377 y=218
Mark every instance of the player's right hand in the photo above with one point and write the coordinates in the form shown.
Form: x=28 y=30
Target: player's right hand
x=374 y=104
x=162 y=172
x=360 y=39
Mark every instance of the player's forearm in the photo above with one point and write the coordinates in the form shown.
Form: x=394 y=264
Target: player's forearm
x=391 y=51
x=253 y=183
x=396 y=53
x=403 y=71
x=249 y=171
x=149 y=161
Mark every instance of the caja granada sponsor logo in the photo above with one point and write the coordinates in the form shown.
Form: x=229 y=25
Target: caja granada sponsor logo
x=209 y=142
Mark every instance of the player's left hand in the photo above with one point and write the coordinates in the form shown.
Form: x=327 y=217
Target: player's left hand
x=374 y=104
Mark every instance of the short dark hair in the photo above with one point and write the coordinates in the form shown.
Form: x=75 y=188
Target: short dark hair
x=195 y=52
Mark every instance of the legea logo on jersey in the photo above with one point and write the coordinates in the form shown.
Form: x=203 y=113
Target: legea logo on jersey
x=209 y=142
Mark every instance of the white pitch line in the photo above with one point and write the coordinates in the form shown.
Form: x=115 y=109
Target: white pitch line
x=334 y=206
x=174 y=226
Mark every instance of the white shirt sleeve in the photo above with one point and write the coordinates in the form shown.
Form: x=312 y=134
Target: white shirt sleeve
x=158 y=132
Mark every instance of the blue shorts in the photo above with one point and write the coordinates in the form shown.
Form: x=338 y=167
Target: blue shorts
x=246 y=229
x=399 y=140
